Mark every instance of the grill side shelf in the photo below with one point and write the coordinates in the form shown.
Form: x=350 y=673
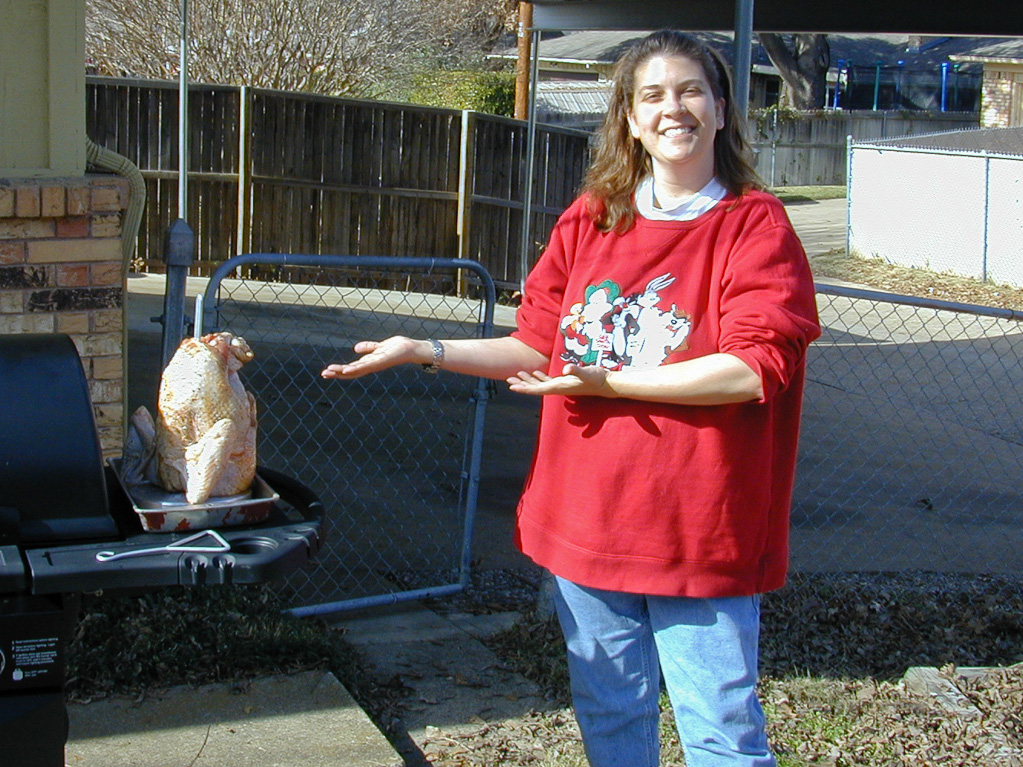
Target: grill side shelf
x=259 y=553
x=256 y=556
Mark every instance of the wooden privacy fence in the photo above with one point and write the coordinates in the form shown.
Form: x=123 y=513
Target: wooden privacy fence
x=810 y=148
x=275 y=172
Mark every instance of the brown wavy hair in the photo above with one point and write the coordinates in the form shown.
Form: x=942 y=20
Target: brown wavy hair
x=620 y=162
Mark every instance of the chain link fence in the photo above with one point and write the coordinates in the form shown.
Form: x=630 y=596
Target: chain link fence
x=911 y=455
x=395 y=456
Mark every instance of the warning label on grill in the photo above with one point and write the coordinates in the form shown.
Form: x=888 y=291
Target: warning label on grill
x=31 y=658
x=32 y=643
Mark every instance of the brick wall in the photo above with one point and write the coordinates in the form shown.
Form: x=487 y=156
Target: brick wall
x=61 y=271
x=996 y=99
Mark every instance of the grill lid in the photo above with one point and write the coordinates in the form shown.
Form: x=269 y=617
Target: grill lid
x=52 y=484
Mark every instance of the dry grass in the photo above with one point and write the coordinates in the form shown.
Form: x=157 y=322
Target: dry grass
x=878 y=274
x=790 y=194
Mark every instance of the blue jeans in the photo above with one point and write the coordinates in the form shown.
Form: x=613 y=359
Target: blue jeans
x=618 y=646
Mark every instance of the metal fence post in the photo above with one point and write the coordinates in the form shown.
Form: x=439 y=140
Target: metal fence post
x=466 y=171
x=987 y=213
x=179 y=254
x=848 y=193
x=244 y=171
x=774 y=147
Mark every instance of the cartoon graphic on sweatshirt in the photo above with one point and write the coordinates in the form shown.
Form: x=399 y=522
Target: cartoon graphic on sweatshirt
x=616 y=331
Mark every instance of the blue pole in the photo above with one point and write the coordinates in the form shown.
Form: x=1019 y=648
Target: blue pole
x=944 y=85
x=838 y=83
x=877 y=83
x=898 y=85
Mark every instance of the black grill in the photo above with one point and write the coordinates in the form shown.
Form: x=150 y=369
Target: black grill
x=60 y=506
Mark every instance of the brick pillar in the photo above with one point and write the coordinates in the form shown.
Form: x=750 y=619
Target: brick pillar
x=61 y=271
x=996 y=99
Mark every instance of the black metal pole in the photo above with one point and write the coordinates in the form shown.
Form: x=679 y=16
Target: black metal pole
x=743 y=53
x=179 y=254
x=526 y=249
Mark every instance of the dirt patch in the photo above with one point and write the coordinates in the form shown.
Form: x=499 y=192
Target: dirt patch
x=833 y=652
x=878 y=274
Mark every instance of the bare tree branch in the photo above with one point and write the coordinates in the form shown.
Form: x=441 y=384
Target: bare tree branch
x=358 y=48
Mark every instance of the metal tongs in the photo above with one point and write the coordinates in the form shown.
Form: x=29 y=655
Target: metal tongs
x=219 y=545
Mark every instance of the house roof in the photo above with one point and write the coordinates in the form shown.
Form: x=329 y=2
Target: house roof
x=581 y=102
x=603 y=47
x=994 y=51
x=591 y=46
x=1003 y=141
x=917 y=52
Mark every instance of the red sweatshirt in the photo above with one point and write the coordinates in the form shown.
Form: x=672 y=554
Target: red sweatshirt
x=657 y=498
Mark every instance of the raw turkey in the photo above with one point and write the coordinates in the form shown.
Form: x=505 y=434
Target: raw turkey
x=203 y=441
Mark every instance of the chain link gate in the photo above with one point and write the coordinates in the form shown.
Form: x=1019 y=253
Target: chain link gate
x=911 y=453
x=395 y=457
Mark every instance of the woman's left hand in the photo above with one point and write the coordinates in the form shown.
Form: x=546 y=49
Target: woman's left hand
x=574 y=381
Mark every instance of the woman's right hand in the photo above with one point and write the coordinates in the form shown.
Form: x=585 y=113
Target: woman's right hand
x=380 y=355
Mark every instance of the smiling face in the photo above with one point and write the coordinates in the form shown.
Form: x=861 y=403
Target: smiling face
x=675 y=116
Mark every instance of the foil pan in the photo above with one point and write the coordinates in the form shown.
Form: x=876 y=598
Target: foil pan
x=161 y=511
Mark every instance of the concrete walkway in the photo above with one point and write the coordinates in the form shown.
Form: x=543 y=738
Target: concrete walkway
x=454 y=682
x=820 y=225
x=309 y=719
x=305 y=720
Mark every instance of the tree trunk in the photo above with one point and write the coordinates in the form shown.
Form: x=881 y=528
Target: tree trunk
x=803 y=68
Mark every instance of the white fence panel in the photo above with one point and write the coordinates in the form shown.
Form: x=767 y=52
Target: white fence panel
x=923 y=209
x=1005 y=221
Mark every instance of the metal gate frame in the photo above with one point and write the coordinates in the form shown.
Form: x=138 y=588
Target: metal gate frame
x=209 y=314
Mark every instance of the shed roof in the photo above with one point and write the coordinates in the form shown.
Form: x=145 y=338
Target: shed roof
x=574 y=96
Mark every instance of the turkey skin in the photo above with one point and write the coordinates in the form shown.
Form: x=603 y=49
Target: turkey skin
x=205 y=428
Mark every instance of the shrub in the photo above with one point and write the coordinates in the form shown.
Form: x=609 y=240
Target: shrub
x=490 y=92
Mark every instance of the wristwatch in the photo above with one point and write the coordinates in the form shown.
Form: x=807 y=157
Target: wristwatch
x=438 y=356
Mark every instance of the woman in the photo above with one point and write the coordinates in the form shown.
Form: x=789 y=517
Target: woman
x=665 y=327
